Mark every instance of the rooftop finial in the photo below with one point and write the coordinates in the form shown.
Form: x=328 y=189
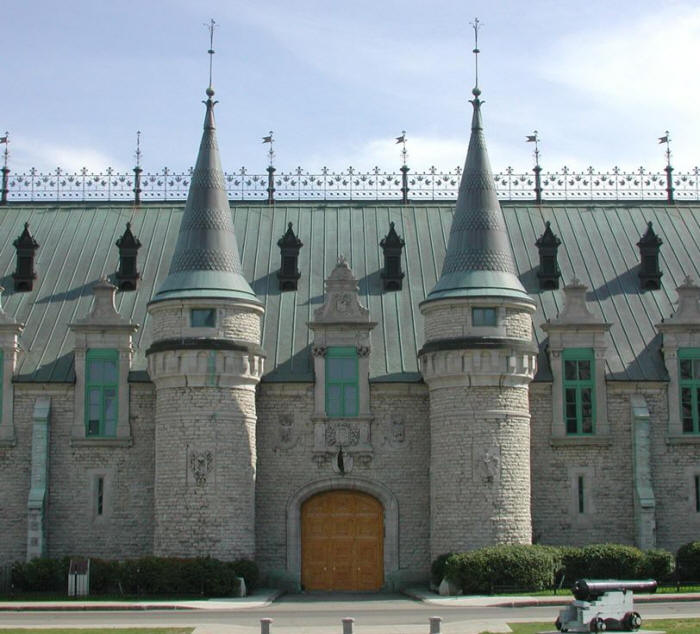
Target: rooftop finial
x=402 y=139
x=534 y=138
x=138 y=148
x=211 y=26
x=6 y=141
x=666 y=138
x=271 y=152
x=476 y=25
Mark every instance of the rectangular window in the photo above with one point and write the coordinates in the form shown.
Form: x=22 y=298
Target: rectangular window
x=689 y=359
x=697 y=493
x=581 y=499
x=579 y=390
x=203 y=318
x=484 y=316
x=100 y=495
x=2 y=365
x=342 y=385
x=101 y=392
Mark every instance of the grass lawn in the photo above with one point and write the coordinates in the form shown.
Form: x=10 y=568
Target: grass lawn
x=125 y=630
x=672 y=626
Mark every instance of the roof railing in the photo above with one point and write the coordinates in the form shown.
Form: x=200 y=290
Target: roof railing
x=326 y=185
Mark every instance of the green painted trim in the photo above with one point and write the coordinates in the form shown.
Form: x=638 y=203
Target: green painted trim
x=101 y=354
x=578 y=354
x=346 y=410
x=689 y=354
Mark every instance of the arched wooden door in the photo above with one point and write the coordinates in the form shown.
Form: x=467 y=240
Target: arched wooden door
x=342 y=541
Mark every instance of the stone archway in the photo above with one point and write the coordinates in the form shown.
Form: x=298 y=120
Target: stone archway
x=385 y=497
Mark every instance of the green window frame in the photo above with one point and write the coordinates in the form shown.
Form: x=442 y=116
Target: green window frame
x=578 y=378
x=342 y=382
x=101 y=392
x=689 y=380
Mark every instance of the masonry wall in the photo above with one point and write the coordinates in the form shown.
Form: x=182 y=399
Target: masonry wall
x=400 y=459
x=125 y=529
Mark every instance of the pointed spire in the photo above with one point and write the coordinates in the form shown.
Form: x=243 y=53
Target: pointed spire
x=206 y=262
x=479 y=260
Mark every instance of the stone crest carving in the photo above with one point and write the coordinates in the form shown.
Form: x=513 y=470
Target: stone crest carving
x=287 y=436
x=319 y=351
x=363 y=351
x=201 y=464
x=395 y=434
x=491 y=464
x=343 y=434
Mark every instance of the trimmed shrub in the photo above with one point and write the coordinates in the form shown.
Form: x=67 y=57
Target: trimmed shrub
x=438 y=568
x=658 y=564
x=603 y=561
x=40 y=575
x=248 y=570
x=688 y=560
x=516 y=566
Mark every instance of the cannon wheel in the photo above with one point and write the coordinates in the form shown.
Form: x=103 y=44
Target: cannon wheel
x=597 y=625
x=632 y=621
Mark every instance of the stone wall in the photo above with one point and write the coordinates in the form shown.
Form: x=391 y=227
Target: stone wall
x=399 y=463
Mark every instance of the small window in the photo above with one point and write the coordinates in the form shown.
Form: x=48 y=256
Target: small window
x=101 y=392
x=484 y=316
x=2 y=365
x=581 y=498
x=203 y=318
x=579 y=391
x=697 y=493
x=100 y=495
x=342 y=389
x=689 y=360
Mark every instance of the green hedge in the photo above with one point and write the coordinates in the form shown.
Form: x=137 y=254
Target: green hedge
x=688 y=559
x=536 y=567
x=143 y=576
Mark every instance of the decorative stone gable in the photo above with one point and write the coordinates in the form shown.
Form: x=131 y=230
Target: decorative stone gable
x=680 y=330
x=577 y=327
x=9 y=347
x=103 y=328
x=342 y=322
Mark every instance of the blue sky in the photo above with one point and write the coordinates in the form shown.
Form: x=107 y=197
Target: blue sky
x=337 y=81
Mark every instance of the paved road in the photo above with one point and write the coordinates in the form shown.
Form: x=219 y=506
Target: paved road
x=318 y=614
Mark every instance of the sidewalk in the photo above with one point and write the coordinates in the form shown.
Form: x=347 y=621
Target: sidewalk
x=502 y=601
x=259 y=598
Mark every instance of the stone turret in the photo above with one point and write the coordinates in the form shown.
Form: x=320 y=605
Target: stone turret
x=478 y=360
x=205 y=361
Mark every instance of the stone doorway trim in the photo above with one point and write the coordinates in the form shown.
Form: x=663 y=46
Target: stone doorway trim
x=375 y=489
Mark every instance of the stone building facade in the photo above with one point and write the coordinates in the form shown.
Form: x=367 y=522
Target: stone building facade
x=340 y=430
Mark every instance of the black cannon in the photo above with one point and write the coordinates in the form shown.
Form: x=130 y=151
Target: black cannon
x=603 y=604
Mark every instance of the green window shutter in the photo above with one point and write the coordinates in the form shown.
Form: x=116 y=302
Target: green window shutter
x=578 y=370
x=689 y=373
x=342 y=385
x=101 y=392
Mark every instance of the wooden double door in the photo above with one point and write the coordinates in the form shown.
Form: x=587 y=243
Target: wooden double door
x=342 y=541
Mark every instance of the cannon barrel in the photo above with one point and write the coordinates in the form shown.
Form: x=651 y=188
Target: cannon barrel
x=591 y=589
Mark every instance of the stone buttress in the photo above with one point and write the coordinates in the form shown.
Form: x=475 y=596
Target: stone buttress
x=478 y=360
x=205 y=361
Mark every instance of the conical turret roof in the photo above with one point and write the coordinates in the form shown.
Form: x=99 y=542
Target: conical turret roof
x=206 y=262
x=479 y=260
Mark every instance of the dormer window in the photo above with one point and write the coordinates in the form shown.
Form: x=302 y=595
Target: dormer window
x=25 y=274
x=127 y=275
x=649 y=272
x=484 y=316
x=289 y=273
x=203 y=318
x=392 y=275
x=548 y=273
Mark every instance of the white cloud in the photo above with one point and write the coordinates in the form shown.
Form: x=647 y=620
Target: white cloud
x=27 y=153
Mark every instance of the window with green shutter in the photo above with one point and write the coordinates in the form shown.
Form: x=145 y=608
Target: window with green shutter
x=101 y=392
x=579 y=390
x=689 y=359
x=342 y=389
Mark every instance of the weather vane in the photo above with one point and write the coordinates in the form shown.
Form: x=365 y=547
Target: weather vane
x=211 y=26
x=476 y=26
x=534 y=138
x=271 y=152
x=402 y=139
x=138 y=148
x=667 y=140
x=6 y=140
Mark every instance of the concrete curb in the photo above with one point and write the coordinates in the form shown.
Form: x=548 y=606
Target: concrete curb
x=259 y=599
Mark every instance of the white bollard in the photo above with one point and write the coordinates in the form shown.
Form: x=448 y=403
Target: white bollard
x=435 y=624
x=347 y=625
x=265 y=626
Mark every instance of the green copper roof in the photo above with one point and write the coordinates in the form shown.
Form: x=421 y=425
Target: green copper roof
x=479 y=260
x=206 y=262
x=598 y=246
